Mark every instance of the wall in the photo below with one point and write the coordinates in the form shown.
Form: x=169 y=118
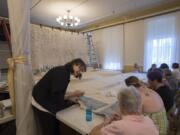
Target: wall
x=133 y=44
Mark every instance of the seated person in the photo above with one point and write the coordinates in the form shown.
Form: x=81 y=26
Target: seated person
x=177 y=113
x=95 y=66
x=132 y=122
x=153 y=67
x=136 y=68
x=174 y=117
x=155 y=82
x=164 y=66
x=170 y=81
x=152 y=104
x=176 y=71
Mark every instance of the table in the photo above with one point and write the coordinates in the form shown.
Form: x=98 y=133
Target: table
x=101 y=86
x=75 y=118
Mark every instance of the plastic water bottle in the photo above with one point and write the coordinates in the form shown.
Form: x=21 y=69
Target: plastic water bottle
x=89 y=113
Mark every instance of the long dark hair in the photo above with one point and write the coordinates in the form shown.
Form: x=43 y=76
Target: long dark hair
x=79 y=62
x=133 y=81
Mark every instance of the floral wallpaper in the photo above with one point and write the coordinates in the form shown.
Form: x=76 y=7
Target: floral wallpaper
x=52 y=47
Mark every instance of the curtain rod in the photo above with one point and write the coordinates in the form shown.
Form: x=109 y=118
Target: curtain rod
x=134 y=19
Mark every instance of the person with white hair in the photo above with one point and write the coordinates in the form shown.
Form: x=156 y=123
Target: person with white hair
x=132 y=122
x=152 y=104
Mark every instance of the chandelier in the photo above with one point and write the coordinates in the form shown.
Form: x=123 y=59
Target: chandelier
x=68 y=20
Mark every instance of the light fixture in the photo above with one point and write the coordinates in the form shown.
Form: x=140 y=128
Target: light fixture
x=68 y=20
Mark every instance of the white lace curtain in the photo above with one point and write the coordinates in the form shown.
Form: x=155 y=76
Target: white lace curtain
x=19 y=17
x=52 y=47
x=161 y=40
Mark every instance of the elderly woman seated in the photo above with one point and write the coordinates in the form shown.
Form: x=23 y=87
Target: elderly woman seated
x=152 y=104
x=132 y=122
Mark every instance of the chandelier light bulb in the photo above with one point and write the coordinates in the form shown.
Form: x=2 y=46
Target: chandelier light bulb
x=57 y=20
x=78 y=20
x=60 y=18
x=65 y=17
x=62 y=23
x=70 y=17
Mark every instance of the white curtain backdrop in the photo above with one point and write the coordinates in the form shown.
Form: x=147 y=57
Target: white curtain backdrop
x=109 y=46
x=161 y=40
x=19 y=16
x=52 y=47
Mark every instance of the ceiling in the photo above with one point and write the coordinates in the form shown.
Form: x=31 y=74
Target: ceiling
x=90 y=12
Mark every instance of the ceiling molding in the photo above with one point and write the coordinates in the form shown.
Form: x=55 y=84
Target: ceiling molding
x=42 y=25
x=138 y=15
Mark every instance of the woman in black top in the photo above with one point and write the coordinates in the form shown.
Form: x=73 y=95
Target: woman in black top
x=50 y=92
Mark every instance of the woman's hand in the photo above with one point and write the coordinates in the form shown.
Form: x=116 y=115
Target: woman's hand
x=77 y=93
x=74 y=95
x=114 y=117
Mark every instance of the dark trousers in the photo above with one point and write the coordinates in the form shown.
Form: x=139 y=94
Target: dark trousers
x=48 y=123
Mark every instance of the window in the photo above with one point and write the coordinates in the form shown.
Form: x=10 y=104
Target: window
x=160 y=41
x=162 y=50
x=112 y=66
